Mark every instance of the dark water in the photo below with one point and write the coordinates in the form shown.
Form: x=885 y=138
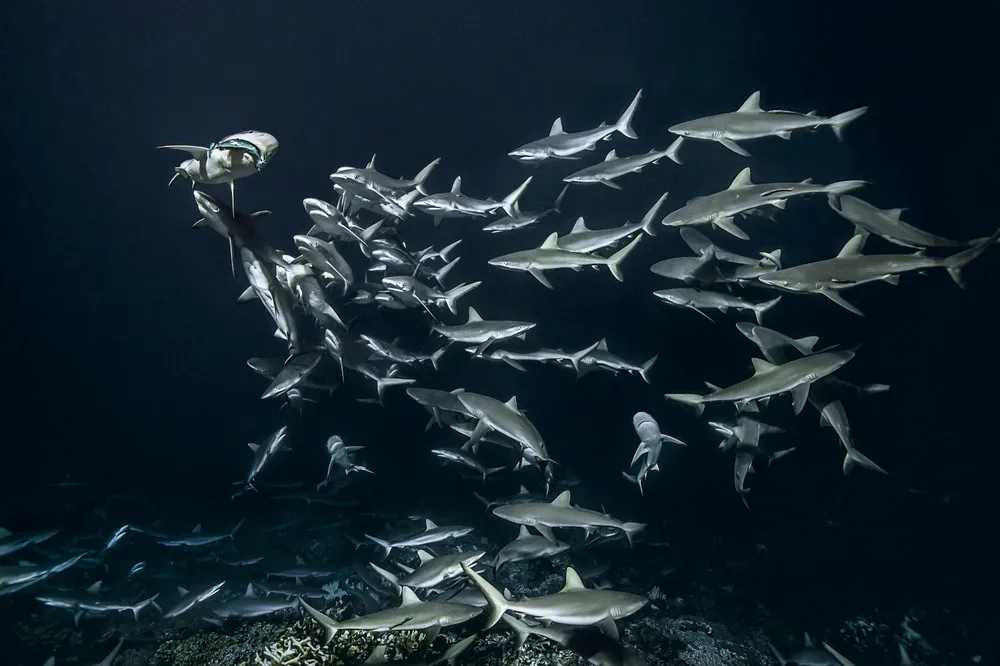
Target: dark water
x=127 y=349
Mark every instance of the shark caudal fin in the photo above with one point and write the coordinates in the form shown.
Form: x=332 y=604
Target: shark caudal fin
x=624 y=124
x=615 y=261
x=842 y=120
x=497 y=605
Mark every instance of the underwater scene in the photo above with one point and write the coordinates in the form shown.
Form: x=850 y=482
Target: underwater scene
x=499 y=334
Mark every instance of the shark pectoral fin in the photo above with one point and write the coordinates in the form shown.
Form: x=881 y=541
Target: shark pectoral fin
x=480 y=430
x=799 y=396
x=729 y=226
x=232 y=256
x=430 y=635
x=540 y=276
x=546 y=532
x=839 y=300
x=515 y=365
x=608 y=628
x=232 y=195
x=484 y=346
x=612 y=184
x=733 y=146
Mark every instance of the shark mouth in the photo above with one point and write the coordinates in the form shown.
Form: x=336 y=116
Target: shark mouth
x=259 y=161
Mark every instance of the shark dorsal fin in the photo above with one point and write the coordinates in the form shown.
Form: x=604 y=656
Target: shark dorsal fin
x=808 y=342
x=473 y=315
x=424 y=556
x=760 y=366
x=579 y=226
x=4 y=533
x=742 y=179
x=197 y=529
x=409 y=598
x=456 y=186
x=551 y=243
x=512 y=403
x=523 y=533
x=299 y=561
x=894 y=213
x=573 y=581
x=253 y=447
x=612 y=155
x=807 y=640
x=752 y=104
x=180 y=590
x=430 y=524
x=853 y=247
x=371 y=162
x=556 y=127
x=523 y=491
x=249 y=592
x=603 y=344
x=96 y=587
x=562 y=499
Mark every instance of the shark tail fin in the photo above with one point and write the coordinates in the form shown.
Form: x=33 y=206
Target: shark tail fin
x=385 y=544
x=509 y=203
x=441 y=273
x=673 y=150
x=956 y=262
x=578 y=357
x=436 y=357
x=497 y=605
x=615 y=261
x=329 y=626
x=421 y=177
x=492 y=470
x=764 y=307
x=842 y=120
x=624 y=124
x=690 y=399
x=646 y=367
x=451 y=297
x=855 y=458
x=631 y=529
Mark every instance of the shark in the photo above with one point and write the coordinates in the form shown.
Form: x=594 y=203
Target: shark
x=263 y=454
x=614 y=166
x=793 y=377
x=411 y=614
x=651 y=442
x=850 y=268
x=549 y=256
x=698 y=300
x=227 y=160
x=750 y=121
x=454 y=204
x=528 y=546
x=742 y=196
x=568 y=145
x=544 y=516
x=431 y=534
x=477 y=331
x=505 y=418
x=433 y=571
x=573 y=605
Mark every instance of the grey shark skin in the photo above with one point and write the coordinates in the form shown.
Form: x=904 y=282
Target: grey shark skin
x=886 y=223
x=650 y=445
x=431 y=534
x=614 y=167
x=250 y=605
x=324 y=257
x=574 y=605
x=237 y=227
x=293 y=373
x=275 y=298
x=850 y=269
x=528 y=546
x=197 y=538
x=696 y=299
x=550 y=257
x=406 y=286
x=794 y=377
x=601 y=356
x=233 y=157
x=544 y=516
x=11 y=543
x=582 y=239
x=505 y=418
x=750 y=121
x=191 y=599
x=742 y=196
x=594 y=647
x=563 y=145
x=264 y=454
x=18 y=577
x=369 y=179
x=699 y=243
x=435 y=570
x=464 y=459
x=412 y=613
x=524 y=219
x=478 y=331
x=454 y=204
x=774 y=346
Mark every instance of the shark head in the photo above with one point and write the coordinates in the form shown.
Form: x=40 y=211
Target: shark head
x=674 y=298
x=528 y=153
x=508 y=261
x=397 y=284
x=434 y=203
